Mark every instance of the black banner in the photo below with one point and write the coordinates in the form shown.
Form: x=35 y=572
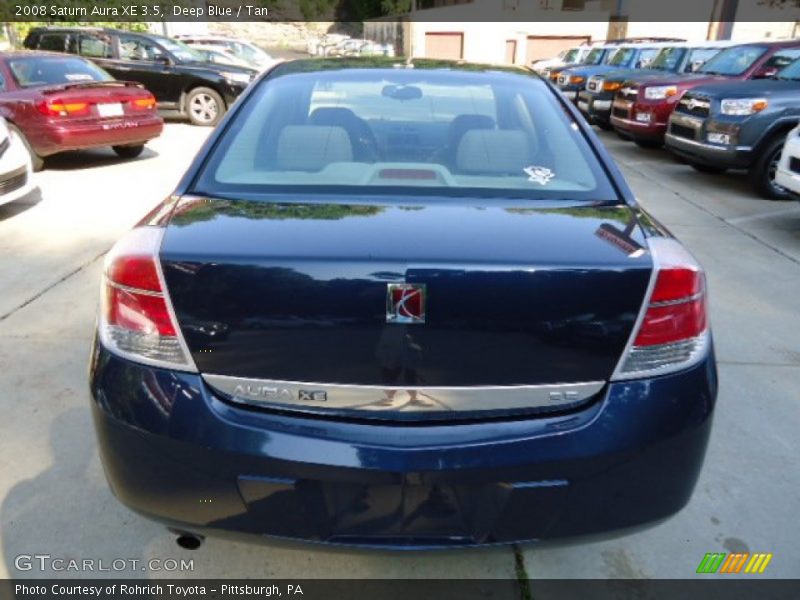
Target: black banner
x=89 y=11
x=707 y=588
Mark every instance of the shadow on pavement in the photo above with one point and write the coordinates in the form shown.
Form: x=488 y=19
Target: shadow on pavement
x=20 y=206
x=61 y=512
x=89 y=159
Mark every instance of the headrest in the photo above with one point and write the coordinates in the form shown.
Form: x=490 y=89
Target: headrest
x=312 y=147
x=332 y=115
x=493 y=151
x=466 y=122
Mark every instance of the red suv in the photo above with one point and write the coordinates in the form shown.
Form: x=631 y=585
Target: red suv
x=643 y=105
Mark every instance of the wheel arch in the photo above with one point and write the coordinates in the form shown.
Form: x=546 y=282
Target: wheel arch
x=779 y=127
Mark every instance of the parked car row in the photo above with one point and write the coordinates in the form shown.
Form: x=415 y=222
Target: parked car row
x=716 y=105
x=182 y=79
x=85 y=87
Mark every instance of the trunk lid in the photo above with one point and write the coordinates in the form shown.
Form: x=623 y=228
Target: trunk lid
x=105 y=100
x=298 y=292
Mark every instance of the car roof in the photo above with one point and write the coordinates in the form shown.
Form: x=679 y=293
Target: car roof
x=37 y=53
x=62 y=29
x=390 y=64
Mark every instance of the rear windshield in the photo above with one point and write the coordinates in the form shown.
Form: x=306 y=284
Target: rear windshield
x=733 y=61
x=31 y=71
x=404 y=130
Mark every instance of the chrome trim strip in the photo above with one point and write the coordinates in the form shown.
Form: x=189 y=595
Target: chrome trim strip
x=651 y=284
x=679 y=139
x=325 y=397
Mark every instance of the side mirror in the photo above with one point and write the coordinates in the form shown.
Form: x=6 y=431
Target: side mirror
x=161 y=59
x=765 y=73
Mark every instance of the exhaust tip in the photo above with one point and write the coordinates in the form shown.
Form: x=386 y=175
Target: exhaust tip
x=188 y=541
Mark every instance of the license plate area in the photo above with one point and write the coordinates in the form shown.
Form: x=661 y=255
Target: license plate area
x=112 y=109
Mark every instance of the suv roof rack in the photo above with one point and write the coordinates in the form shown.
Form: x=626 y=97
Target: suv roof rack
x=639 y=40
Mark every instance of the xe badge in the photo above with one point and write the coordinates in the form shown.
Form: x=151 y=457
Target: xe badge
x=405 y=303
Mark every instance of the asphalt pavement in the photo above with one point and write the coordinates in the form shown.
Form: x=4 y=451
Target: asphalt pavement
x=53 y=495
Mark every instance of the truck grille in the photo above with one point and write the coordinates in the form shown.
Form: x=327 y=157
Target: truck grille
x=14 y=180
x=629 y=93
x=682 y=131
x=594 y=84
x=694 y=105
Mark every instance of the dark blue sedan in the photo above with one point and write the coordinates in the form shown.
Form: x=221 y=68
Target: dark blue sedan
x=402 y=304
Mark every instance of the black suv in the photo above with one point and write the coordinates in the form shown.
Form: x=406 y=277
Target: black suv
x=177 y=76
x=738 y=125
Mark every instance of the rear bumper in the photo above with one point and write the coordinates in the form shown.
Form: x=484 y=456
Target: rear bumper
x=61 y=137
x=174 y=452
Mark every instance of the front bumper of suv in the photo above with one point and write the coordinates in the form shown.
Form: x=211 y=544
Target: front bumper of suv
x=175 y=452
x=687 y=136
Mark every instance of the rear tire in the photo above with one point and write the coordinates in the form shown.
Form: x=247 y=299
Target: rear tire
x=204 y=107
x=37 y=162
x=604 y=125
x=762 y=173
x=708 y=169
x=128 y=151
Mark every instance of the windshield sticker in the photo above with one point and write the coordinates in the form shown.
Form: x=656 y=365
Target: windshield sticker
x=78 y=77
x=540 y=175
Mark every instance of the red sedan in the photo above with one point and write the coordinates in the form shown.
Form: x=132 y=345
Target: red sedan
x=57 y=103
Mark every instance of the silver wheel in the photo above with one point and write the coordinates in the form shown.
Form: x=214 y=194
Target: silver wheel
x=203 y=108
x=772 y=171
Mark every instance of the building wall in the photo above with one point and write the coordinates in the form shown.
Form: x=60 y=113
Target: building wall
x=750 y=31
x=487 y=42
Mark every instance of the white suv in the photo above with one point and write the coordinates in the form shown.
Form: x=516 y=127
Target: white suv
x=788 y=172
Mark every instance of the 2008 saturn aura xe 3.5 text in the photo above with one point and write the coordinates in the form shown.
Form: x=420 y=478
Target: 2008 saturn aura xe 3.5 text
x=403 y=305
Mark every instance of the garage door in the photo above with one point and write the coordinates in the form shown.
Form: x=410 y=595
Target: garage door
x=540 y=47
x=444 y=45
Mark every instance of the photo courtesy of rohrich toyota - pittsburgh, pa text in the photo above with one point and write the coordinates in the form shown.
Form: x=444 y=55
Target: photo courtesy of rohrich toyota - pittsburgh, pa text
x=399 y=299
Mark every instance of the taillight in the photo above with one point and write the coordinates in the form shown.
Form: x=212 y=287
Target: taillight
x=59 y=108
x=148 y=103
x=672 y=332
x=136 y=317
